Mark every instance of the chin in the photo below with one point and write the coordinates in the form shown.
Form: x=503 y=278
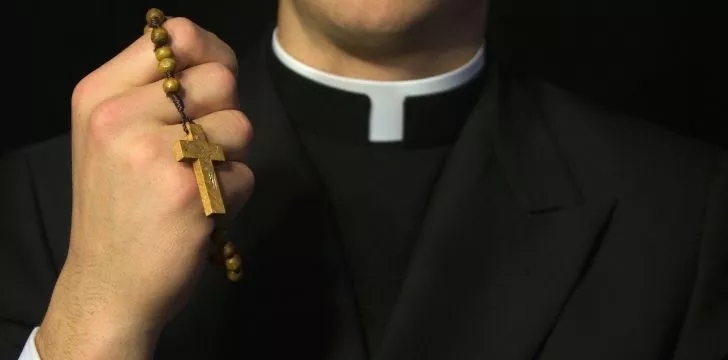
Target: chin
x=369 y=23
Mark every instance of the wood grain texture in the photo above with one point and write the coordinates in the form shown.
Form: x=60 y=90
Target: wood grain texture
x=203 y=154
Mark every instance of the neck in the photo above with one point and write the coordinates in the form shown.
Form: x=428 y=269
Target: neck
x=426 y=50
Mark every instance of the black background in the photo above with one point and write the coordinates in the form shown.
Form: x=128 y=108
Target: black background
x=662 y=60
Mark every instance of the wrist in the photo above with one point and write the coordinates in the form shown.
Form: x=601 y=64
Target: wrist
x=59 y=338
x=91 y=327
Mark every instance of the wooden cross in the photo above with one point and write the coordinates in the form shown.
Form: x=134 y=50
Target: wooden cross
x=202 y=154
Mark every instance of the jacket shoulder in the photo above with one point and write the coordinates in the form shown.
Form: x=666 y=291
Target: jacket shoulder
x=606 y=147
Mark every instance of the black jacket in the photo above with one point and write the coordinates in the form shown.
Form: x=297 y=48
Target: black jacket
x=558 y=230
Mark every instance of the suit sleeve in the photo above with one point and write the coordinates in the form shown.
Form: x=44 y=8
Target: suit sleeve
x=705 y=330
x=27 y=271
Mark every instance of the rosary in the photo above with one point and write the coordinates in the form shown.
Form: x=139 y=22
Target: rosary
x=195 y=148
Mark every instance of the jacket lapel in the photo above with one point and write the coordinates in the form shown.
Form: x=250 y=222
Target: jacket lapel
x=504 y=243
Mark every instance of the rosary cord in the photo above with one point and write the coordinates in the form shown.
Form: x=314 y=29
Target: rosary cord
x=176 y=99
x=225 y=250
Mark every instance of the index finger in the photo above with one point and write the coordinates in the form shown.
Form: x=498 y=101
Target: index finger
x=136 y=65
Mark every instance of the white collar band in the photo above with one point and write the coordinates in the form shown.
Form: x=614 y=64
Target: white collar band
x=386 y=118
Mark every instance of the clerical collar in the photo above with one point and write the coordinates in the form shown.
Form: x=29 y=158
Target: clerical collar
x=422 y=112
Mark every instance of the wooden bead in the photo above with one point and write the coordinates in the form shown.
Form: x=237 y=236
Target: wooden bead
x=163 y=52
x=160 y=36
x=234 y=276
x=228 y=250
x=171 y=85
x=155 y=15
x=233 y=263
x=166 y=66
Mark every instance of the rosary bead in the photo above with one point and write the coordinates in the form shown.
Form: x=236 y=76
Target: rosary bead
x=228 y=250
x=163 y=52
x=155 y=15
x=233 y=263
x=160 y=36
x=166 y=66
x=234 y=276
x=171 y=85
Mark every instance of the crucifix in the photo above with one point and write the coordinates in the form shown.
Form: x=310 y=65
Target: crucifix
x=195 y=148
x=202 y=154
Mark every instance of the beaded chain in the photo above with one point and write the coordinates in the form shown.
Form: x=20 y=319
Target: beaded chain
x=223 y=250
x=167 y=63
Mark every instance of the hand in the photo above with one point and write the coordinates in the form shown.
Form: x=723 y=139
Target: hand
x=139 y=236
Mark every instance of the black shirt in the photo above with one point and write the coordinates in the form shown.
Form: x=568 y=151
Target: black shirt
x=378 y=191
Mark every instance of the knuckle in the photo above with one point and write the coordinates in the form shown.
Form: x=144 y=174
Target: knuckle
x=230 y=58
x=243 y=127
x=180 y=187
x=81 y=92
x=221 y=76
x=143 y=153
x=249 y=176
x=248 y=183
x=233 y=62
x=186 y=36
x=105 y=119
x=240 y=186
x=183 y=28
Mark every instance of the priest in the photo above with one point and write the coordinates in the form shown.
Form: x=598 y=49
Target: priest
x=414 y=198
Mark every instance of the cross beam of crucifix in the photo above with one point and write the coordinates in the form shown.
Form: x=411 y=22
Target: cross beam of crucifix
x=203 y=154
